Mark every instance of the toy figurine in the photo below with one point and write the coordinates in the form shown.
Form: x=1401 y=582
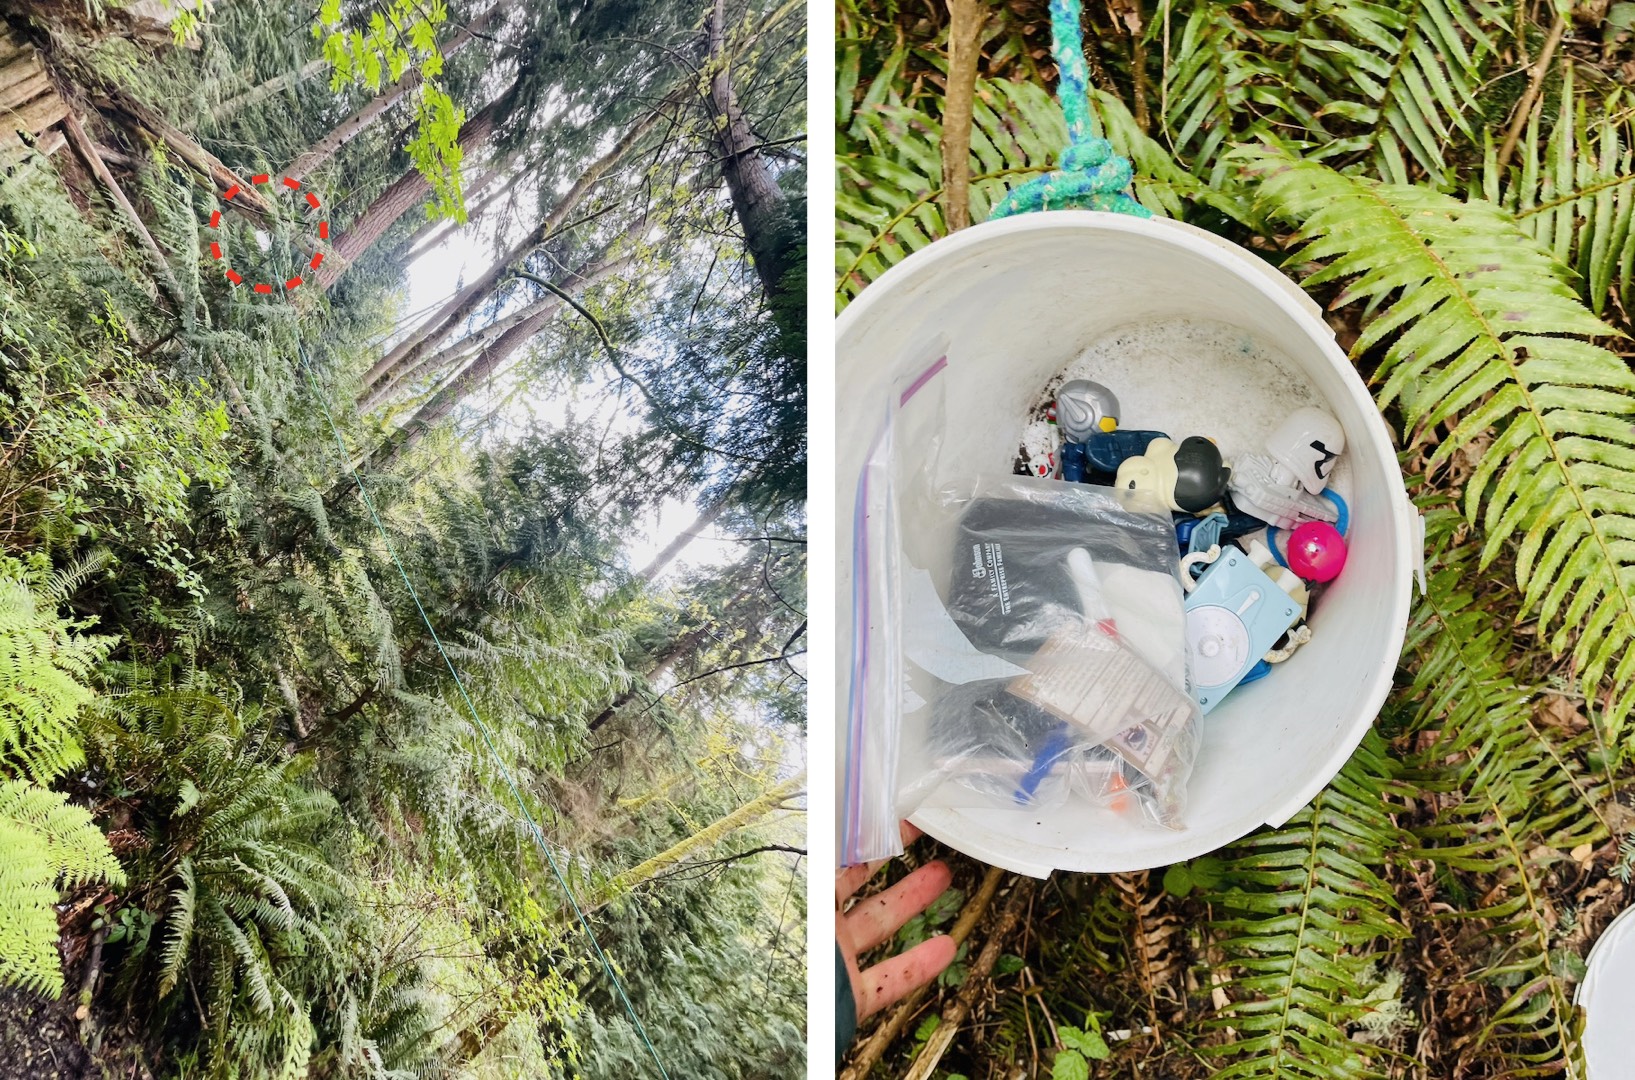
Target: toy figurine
x=1281 y=486
x=1083 y=408
x=1107 y=450
x=1196 y=534
x=1189 y=476
x=1042 y=464
x=1073 y=463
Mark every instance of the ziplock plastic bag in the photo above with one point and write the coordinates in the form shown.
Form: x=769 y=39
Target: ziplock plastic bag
x=894 y=481
x=1068 y=681
x=936 y=713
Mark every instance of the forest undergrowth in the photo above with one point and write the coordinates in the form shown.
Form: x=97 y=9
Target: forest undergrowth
x=333 y=671
x=1454 y=183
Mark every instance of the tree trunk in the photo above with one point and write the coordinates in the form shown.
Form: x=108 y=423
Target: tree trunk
x=757 y=200
x=536 y=314
x=435 y=232
x=404 y=194
x=706 y=518
x=432 y=332
x=701 y=840
x=263 y=91
x=965 y=22
x=156 y=128
x=684 y=645
x=319 y=153
x=472 y=1039
x=486 y=363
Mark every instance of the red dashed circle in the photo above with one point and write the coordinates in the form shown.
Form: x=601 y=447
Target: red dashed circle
x=266 y=288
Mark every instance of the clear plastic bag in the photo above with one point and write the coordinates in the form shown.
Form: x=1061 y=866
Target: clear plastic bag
x=891 y=484
x=1075 y=589
x=1052 y=676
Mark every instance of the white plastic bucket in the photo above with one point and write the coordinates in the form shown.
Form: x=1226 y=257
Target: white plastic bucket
x=1607 y=996
x=1010 y=303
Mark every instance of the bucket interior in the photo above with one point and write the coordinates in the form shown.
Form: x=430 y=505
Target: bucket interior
x=1194 y=341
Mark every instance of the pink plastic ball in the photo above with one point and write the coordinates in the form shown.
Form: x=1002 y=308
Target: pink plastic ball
x=1316 y=551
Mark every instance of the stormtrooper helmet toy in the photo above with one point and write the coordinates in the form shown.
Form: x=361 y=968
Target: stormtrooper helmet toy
x=1305 y=447
x=1281 y=487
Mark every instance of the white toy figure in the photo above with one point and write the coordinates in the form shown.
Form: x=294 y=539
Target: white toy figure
x=1042 y=464
x=1084 y=408
x=1282 y=486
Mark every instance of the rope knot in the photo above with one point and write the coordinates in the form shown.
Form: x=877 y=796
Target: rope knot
x=1085 y=156
x=1091 y=176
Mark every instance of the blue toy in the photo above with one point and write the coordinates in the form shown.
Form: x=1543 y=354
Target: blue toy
x=1073 y=462
x=1234 y=616
x=1107 y=450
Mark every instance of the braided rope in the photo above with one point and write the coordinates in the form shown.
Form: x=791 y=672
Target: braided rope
x=1091 y=176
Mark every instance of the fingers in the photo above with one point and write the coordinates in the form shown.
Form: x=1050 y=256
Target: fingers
x=886 y=982
x=876 y=918
x=852 y=878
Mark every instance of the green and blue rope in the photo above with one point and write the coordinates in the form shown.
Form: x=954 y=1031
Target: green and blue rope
x=488 y=739
x=1091 y=176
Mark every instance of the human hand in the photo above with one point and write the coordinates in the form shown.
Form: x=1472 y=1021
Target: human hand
x=872 y=920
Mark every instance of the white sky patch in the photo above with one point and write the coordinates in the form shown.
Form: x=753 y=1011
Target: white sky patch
x=463 y=256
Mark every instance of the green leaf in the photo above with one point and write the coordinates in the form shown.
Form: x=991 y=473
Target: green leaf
x=188 y=797
x=1009 y=964
x=1178 y=880
x=945 y=907
x=1089 y=1043
x=1070 y=1065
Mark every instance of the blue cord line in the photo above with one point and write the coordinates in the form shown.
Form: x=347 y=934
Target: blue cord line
x=1090 y=176
x=516 y=793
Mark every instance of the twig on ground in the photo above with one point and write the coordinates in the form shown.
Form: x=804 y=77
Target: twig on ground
x=870 y=1053
x=1524 y=107
x=954 y=1015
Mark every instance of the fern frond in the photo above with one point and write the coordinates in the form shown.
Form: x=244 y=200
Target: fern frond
x=1480 y=333
x=1574 y=192
x=179 y=934
x=1511 y=797
x=1311 y=908
x=44 y=843
x=1363 y=83
x=890 y=169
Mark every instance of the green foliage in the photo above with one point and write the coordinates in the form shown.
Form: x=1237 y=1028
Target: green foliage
x=889 y=167
x=1480 y=333
x=1513 y=798
x=44 y=662
x=1480 y=322
x=1301 y=911
x=101 y=445
x=400 y=36
x=45 y=844
x=1384 y=86
x=1080 y=1046
x=242 y=899
x=1574 y=191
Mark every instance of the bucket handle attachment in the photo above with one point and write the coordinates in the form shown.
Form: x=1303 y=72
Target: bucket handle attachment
x=1091 y=176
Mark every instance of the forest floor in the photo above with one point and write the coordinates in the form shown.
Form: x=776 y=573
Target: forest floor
x=40 y=1040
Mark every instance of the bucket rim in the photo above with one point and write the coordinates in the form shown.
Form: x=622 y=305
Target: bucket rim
x=944 y=824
